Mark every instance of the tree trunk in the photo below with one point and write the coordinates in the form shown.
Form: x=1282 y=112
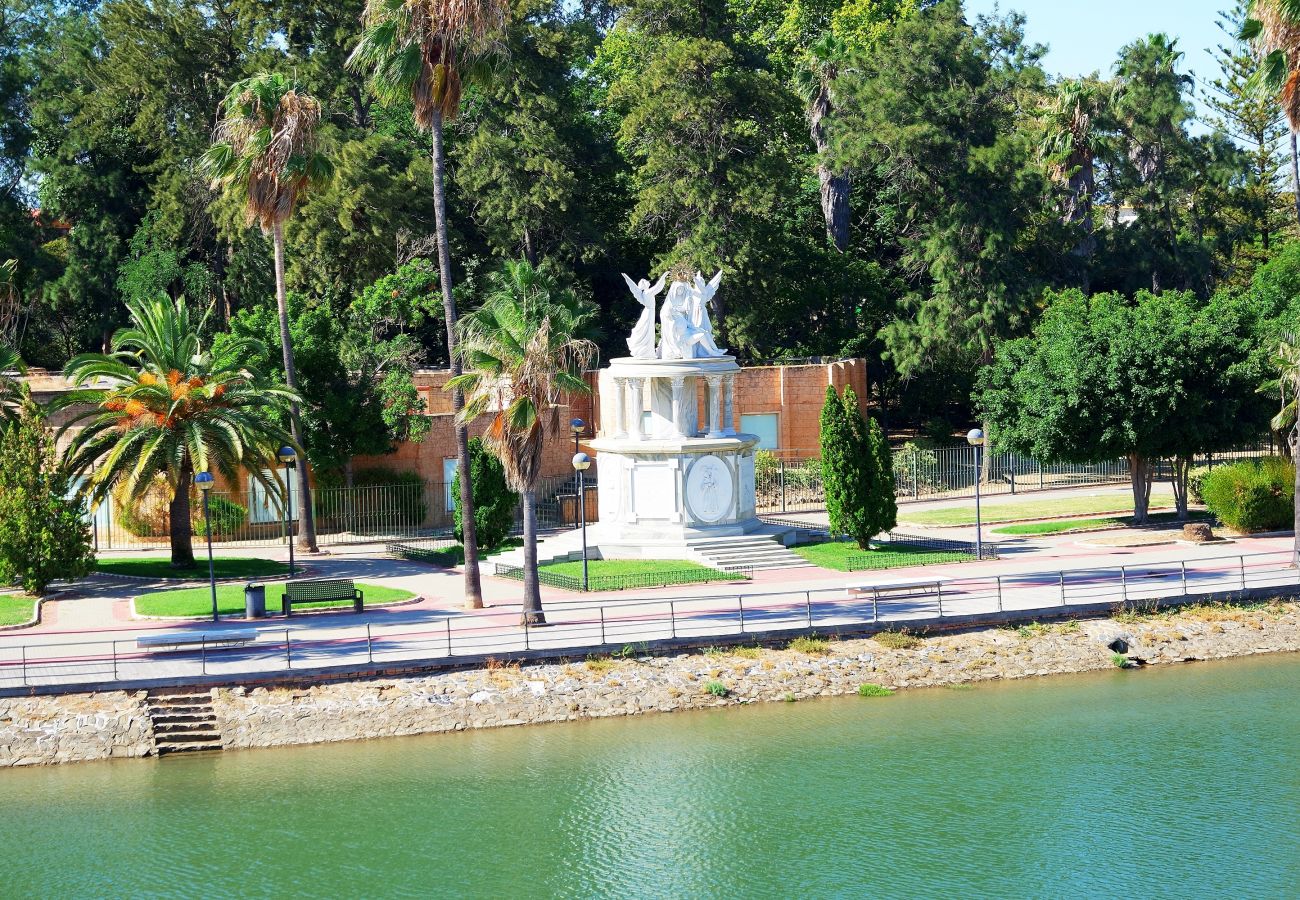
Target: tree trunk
x=1295 y=175
x=1139 y=471
x=469 y=533
x=532 y=611
x=349 y=499
x=178 y=518
x=986 y=458
x=1182 y=466
x=530 y=248
x=834 y=185
x=306 y=514
x=1295 y=520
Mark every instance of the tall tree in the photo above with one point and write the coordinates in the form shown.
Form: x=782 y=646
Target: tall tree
x=523 y=349
x=171 y=408
x=1239 y=110
x=941 y=105
x=266 y=153
x=422 y=52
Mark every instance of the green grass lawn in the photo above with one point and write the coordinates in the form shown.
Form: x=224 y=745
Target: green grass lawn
x=225 y=567
x=619 y=574
x=1110 y=504
x=453 y=555
x=15 y=609
x=1059 y=525
x=836 y=555
x=230 y=600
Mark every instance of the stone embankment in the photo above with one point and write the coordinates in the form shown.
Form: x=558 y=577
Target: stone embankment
x=58 y=729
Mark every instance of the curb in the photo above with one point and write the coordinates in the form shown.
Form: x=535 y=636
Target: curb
x=30 y=623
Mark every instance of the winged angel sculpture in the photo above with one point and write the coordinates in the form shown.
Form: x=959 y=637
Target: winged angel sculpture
x=685 y=326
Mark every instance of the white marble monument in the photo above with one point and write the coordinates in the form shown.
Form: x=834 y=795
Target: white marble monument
x=673 y=468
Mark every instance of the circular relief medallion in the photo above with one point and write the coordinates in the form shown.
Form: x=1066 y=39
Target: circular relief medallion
x=709 y=489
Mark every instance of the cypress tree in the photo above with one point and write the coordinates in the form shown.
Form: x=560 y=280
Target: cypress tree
x=837 y=455
x=884 y=503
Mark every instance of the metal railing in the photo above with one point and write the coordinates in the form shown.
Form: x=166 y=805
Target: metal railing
x=655 y=579
x=590 y=628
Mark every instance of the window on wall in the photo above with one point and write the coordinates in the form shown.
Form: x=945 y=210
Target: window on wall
x=766 y=425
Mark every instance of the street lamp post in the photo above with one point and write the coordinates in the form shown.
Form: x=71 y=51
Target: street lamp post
x=203 y=481
x=288 y=456
x=975 y=437
x=577 y=426
x=581 y=463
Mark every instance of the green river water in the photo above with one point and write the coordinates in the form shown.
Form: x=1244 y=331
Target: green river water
x=1168 y=782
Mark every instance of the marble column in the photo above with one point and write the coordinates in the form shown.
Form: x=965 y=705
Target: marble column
x=620 y=407
x=728 y=404
x=679 y=415
x=635 y=429
x=713 y=405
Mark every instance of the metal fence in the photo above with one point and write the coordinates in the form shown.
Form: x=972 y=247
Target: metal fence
x=274 y=650
x=786 y=481
x=367 y=514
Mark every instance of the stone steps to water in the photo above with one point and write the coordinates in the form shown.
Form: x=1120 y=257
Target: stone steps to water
x=183 y=722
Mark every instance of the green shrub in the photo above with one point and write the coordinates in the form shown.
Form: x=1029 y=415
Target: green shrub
x=874 y=690
x=494 y=502
x=717 y=689
x=1196 y=483
x=227 y=516
x=1252 y=496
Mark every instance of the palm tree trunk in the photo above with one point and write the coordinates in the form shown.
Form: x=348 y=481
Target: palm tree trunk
x=469 y=533
x=178 y=518
x=532 y=612
x=834 y=185
x=1295 y=175
x=306 y=515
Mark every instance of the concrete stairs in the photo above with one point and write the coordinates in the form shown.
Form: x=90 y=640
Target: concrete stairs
x=183 y=721
x=756 y=551
x=761 y=550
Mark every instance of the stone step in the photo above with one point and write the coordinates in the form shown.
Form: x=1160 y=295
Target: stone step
x=167 y=749
x=175 y=721
x=189 y=737
x=181 y=700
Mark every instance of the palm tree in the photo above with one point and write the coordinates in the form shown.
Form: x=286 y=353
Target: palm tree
x=1286 y=361
x=424 y=51
x=1274 y=27
x=1071 y=142
x=815 y=80
x=265 y=150
x=523 y=350
x=164 y=405
x=11 y=394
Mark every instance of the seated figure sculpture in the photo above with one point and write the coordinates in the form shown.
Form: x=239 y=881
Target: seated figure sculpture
x=686 y=331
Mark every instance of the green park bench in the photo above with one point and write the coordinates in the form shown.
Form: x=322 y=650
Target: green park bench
x=320 y=590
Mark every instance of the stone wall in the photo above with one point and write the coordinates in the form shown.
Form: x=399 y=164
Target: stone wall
x=73 y=728
x=35 y=730
x=513 y=695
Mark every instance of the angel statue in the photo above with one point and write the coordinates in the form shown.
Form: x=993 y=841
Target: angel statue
x=642 y=340
x=701 y=297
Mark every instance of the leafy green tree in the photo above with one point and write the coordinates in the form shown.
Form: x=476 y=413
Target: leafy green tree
x=266 y=154
x=524 y=344
x=11 y=396
x=358 y=398
x=44 y=534
x=1101 y=377
x=423 y=52
x=494 y=502
x=171 y=408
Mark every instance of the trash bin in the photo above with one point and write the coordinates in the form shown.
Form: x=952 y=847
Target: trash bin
x=255 y=600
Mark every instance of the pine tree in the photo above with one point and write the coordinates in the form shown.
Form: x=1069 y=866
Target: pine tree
x=1259 y=213
x=43 y=535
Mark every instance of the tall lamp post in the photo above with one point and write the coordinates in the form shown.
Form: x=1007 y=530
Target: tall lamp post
x=581 y=463
x=975 y=437
x=203 y=481
x=289 y=458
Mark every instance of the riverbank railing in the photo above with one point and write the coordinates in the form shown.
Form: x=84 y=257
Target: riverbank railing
x=861 y=604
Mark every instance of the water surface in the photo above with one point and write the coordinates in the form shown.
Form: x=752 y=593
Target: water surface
x=1170 y=782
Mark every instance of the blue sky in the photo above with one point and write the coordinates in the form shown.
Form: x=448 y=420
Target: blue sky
x=1086 y=36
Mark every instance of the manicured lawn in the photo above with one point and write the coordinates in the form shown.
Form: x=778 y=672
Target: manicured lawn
x=620 y=574
x=1059 y=525
x=15 y=609
x=230 y=600
x=451 y=555
x=225 y=567
x=846 y=556
x=1111 y=504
